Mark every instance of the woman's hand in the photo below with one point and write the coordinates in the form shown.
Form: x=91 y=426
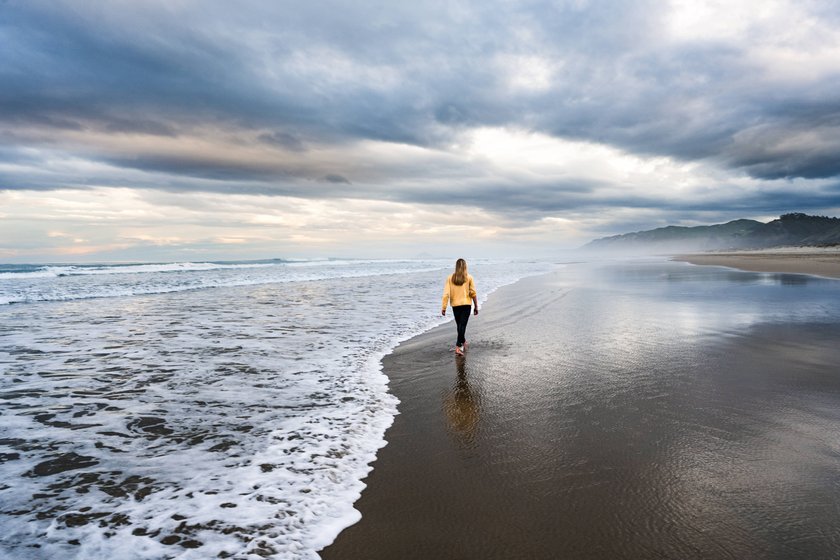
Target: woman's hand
x=475 y=310
x=443 y=312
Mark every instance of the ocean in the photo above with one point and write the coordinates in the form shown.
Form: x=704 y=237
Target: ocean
x=201 y=410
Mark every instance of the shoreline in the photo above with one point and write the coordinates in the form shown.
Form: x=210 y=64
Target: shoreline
x=378 y=364
x=420 y=370
x=811 y=261
x=588 y=422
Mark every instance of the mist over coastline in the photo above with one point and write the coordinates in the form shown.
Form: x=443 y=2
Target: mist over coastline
x=789 y=230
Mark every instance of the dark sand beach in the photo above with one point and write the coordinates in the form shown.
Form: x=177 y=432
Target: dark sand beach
x=803 y=261
x=615 y=412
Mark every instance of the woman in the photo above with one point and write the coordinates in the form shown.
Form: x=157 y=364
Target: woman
x=458 y=291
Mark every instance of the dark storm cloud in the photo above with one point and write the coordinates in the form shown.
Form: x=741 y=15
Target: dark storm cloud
x=537 y=200
x=202 y=168
x=336 y=178
x=805 y=145
x=298 y=75
x=100 y=63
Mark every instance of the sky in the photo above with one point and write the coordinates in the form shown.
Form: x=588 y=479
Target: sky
x=206 y=130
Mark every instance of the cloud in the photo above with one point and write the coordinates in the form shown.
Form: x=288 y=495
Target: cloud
x=806 y=148
x=336 y=178
x=522 y=111
x=284 y=140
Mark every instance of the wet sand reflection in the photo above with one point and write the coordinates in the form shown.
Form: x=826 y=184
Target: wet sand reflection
x=462 y=405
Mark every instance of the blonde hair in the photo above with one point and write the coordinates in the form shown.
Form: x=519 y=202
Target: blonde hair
x=460 y=275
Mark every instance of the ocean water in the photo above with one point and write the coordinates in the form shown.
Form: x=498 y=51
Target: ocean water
x=200 y=410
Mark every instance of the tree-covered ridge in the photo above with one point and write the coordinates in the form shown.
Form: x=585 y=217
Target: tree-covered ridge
x=792 y=229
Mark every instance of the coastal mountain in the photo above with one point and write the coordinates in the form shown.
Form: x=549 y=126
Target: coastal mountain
x=795 y=229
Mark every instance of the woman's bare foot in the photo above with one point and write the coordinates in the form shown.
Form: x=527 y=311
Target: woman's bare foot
x=458 y=351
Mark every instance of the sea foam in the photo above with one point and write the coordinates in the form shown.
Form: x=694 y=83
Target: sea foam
x=235 y=416
x=67 y=283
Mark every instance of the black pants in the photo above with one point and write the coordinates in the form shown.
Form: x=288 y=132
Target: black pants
x=462 y=315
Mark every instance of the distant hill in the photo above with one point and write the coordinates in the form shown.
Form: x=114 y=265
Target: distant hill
x=794 y=229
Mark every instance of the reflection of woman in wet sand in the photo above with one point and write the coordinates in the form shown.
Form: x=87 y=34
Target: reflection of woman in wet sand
x=458 y=291
x=461 y=405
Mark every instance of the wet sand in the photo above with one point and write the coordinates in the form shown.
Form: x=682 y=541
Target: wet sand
x=578 y=426
x=802 y=261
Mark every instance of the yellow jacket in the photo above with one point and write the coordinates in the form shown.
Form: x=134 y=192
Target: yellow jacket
x=458 y=295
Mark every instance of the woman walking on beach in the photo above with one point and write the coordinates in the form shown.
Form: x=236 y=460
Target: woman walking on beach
x=458 y=291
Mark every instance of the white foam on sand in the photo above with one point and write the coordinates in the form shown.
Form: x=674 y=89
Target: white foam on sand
x=234 y=422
